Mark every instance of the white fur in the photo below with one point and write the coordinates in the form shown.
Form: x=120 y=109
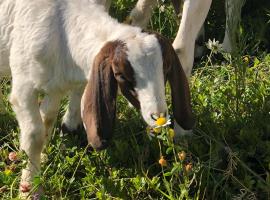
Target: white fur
x=142 y=12
x=193 y=16
x=49 y=46
x=72 y=118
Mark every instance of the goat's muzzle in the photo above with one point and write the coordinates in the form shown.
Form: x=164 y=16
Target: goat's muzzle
x=99 y=144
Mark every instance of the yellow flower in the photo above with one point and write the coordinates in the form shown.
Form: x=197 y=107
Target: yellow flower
x=161 y=121
x=162 y=161
x=8 y=172
x=157 y=130
x=182 y=155
x=171 y=133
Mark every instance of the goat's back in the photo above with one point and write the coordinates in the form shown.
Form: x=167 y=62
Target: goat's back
x=26 y=29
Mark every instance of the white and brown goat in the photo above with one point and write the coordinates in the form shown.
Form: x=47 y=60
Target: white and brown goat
x=73 y=45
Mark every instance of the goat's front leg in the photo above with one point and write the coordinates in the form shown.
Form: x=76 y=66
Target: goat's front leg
x=24 y=100
x=142 y=12
x=72 y=119
x=48 y=110
x=193 y=16
x=233 y=17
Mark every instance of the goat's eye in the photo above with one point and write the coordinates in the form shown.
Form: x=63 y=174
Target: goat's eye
x=120 y=77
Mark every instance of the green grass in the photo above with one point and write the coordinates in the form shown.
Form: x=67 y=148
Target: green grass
x=229 y=151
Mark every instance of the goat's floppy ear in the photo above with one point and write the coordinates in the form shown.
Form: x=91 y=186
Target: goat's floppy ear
x=179 y=85
x=180 y=95
x=99 y=100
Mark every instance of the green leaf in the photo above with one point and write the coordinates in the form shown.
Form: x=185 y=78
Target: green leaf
x=72 y=180
x=176 y=168
x=168 y=174
x=169 y=150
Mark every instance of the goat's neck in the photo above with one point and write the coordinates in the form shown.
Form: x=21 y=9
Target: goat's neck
x=89 y=27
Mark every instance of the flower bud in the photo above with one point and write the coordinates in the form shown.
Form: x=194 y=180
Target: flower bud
x=182 y=155
x=162 y=161
x=12 y=156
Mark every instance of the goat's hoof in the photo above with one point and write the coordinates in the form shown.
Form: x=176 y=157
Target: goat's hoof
x=25 y=188
x=38 y=194
x=27 y=193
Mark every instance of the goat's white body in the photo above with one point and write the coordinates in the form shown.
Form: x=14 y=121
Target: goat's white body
x=6 y=26
x=54 y=35
x=50 y=46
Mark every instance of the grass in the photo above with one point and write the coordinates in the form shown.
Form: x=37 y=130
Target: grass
x=228 y=156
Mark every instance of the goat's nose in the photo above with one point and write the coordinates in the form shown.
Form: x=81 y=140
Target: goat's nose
x=100 y=145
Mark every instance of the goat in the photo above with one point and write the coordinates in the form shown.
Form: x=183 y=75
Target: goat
x=59 y=46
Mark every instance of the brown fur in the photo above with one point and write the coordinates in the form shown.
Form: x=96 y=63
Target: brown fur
x=179 y=85
x=111 y=68
x=124 y=74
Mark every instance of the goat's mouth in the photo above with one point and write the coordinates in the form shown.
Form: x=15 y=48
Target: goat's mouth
x=154 y=119
x=99 y=143
x=96 y=141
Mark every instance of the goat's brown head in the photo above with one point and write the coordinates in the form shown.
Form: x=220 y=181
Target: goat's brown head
x=140 y=69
